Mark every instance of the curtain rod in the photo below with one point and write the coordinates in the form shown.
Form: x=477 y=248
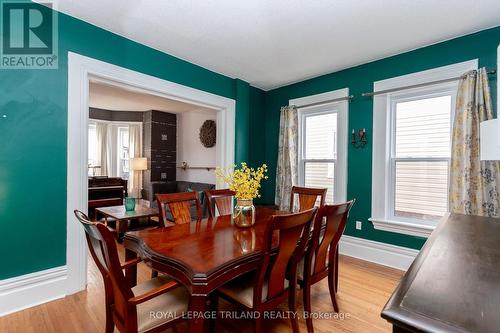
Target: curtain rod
x=325 y=102
x=380 y=92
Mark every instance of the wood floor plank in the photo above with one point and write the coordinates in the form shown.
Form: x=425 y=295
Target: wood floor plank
x=363 y=290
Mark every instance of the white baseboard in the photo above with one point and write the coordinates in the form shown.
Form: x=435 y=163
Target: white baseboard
x=32 y=289
x=377 y=252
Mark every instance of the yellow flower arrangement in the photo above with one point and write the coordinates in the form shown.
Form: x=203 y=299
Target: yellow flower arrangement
x=245 y=181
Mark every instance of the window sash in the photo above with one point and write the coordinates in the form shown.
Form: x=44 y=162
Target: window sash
x=302 y=160
x=392 y=194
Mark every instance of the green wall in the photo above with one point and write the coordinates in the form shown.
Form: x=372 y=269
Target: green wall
x=34 y=133
x=482 y=45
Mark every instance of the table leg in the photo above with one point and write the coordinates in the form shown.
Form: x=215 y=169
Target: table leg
x=131 y=272
x=198 y=307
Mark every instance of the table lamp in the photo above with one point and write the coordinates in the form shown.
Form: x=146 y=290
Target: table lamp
x=138 y=164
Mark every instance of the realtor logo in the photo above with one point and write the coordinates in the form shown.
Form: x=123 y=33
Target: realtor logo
x=29 y=35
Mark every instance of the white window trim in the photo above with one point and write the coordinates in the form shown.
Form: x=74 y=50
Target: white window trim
x=381 y=175
x=342 y=108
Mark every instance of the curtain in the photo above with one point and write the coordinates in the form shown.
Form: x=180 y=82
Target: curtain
x=474 y=184
x=135 y=150
x=286 y=171
x=102 y=148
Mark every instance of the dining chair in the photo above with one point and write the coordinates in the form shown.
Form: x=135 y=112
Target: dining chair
x=179 y=205
x=220 y=199
x=130 y=308
x=321 y=259
x=307 y=197
x=267 y=287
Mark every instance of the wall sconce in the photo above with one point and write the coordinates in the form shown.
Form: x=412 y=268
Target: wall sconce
x=359 y=142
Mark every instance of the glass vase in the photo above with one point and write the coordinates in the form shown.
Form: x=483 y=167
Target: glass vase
x=244 y=213
x=129 y=204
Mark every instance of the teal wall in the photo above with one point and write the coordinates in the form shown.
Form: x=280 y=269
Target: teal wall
x=482 y=45
x=33 y=134
x=33 y=138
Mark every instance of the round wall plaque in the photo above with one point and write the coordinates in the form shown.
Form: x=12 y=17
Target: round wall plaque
x=208 y=133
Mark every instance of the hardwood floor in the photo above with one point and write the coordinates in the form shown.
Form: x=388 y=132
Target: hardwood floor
x=363 y=290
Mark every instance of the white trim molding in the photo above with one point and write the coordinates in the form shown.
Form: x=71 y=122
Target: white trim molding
x=382 y=186
x=342 y=110
x=32 y=289
x=380 y=253
x=81 y=70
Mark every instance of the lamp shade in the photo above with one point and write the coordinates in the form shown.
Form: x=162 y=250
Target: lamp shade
x=139 y=163
x=489 y=138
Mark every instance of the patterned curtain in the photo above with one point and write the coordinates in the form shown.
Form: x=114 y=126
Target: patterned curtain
x=286 y=171
x=474 y=184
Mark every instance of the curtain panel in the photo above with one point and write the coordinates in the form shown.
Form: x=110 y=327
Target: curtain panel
x=135 y=149
x=287 y=166
x=474 y=184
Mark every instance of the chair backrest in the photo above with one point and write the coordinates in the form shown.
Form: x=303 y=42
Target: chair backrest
x=307 y=197
x=329 y=225
x=220 y=199
x=179 y=205
x=293 y=231
x=103 y=249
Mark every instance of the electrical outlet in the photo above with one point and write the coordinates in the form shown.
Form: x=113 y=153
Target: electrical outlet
x=359 y=224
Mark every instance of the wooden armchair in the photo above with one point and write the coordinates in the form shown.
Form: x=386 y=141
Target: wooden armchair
x=321 y=259
x=268 y=287
x=179 y=205
x=307 y=197
x=220 y=199
x=130 y=308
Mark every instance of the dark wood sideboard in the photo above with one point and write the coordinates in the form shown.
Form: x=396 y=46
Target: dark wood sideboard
x=454 y=283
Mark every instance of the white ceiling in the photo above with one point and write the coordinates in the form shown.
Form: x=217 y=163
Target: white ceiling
x=109 y=97
x=271 y=43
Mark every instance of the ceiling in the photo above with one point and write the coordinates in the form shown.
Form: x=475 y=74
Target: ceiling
x=109 y=97
x=274 y=43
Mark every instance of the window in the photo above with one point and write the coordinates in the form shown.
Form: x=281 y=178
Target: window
x=411 y=149
x=123 y=152
x=420 y=155
x=323 y=144
x=93 y=159
x=319 y=153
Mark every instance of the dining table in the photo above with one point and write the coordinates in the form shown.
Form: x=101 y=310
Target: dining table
x=202 y=255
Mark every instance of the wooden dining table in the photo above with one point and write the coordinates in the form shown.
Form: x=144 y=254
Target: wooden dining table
x=202 y=255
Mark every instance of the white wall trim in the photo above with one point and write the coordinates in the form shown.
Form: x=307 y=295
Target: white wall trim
x=342 y=108
x=406 y=228
x=377 y=252
x=381 y=170
x=32 y=289
x=81 y=69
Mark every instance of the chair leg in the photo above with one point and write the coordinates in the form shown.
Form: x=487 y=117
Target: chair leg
x=257 y=325
x=292 y=306
x=331 y=286
x=110 y=325
x=214 y=307
x=307 y=306
x=337 y=269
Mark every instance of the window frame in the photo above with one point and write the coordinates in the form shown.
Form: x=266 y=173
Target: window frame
x=119 y=128
x=382 y=216
x=440 y=90
x=339 y=107
x=302 y=159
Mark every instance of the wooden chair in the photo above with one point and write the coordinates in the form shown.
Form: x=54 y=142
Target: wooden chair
x=130 y=308
x=179 y=205
x=220 y=199
x=307 y=197
x=268 y=287
x=321 y=259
